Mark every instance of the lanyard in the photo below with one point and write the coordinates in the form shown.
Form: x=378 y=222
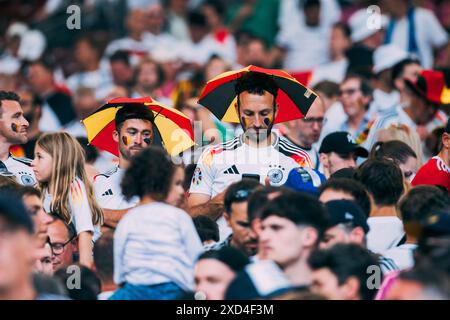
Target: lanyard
x=412 y=41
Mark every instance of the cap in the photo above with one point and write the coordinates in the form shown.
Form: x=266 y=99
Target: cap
x=360 y=25
x=342 y=142
x=346 y=211
x=305 y=180
x=437 y=224
x=387 y=56
x=432 y=85
x=14 y=212
x=435 y=172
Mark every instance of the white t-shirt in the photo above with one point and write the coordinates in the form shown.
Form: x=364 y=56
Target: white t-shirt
x=225 y=163
x=333 y=71
x=402 y=255
x=156 y=243
x=79 y=208
x=304 y=50
x=109 y=193
x=429 y=35
x=383 y=101
x=99 y=80
x=385 y=233
x=21 y=168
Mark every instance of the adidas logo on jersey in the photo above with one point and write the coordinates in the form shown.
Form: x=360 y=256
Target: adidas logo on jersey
x=108 y=193
x=232 y=170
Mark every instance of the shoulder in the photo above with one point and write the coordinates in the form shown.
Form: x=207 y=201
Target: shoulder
x=289 y=149
x=24 y=161
x=213 y=150
x=105 y=175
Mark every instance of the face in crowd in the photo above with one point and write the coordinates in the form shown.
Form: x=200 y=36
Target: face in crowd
x=257 y=114
x=176 y=196
x=352 y=98
x=133 y=136
x=63 y=246
x=13 y=125
x=333 y=161
x=244 y=237
x=212 y=277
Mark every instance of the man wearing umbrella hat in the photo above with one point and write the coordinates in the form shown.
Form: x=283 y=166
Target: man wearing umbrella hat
x=134 y=132
x=258 y=153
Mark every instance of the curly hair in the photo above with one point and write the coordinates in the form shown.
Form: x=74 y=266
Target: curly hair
x=150 y=174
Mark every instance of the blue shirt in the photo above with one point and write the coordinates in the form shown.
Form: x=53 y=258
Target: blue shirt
x=156 y=243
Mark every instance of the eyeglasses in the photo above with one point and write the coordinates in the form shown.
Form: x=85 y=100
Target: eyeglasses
x=349 y=92
x=58 y=248
x=319 y=121
x=241 y=194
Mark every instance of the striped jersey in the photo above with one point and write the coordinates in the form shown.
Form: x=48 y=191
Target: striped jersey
x=223 y=164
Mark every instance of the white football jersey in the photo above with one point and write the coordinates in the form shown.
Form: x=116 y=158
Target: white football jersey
x=109 y=193
x=21 y=168
x=223 y=164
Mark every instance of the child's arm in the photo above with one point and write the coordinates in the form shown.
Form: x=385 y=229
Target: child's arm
x=85 y=247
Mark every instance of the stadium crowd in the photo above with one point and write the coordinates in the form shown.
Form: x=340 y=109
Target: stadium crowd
x=346 y=197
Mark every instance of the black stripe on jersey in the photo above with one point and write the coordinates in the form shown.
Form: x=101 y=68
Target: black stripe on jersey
x=289 y=150
x=23 y=160
x=107 y=174
x=289 y=145
x=231 y=145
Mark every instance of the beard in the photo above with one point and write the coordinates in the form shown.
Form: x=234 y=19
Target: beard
x=12 y=137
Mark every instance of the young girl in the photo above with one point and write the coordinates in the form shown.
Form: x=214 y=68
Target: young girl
x=155 y=244
x=67 y=192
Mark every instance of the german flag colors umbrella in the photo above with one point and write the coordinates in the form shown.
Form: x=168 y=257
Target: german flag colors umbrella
x=293 y=98
x=173 y=127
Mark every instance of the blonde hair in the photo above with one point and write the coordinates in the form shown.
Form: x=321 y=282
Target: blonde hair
x=68 y=163
x=405 y=134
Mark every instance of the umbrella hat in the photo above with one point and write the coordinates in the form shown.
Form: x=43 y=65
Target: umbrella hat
x=172 y=126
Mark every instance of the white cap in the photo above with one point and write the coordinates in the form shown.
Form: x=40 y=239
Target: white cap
x=32 y=45
x=16 y=29
x=386 y=56
x=360 y=24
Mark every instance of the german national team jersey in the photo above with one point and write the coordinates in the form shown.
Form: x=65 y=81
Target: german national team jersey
x=222 y=164
x=20 y=168
x=108 y=191
x=79 y=207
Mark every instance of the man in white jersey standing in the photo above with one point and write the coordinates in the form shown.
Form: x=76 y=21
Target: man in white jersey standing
x=13 y=130
x=258 y=153
x=134 y=132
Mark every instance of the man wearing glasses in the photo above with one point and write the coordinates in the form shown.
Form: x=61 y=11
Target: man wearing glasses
x=63 y=243
x=304 y=133
x=355 y=95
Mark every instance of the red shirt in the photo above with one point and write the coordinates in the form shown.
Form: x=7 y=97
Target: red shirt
x=434 y=172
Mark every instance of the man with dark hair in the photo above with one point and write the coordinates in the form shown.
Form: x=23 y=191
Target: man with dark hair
x=104 y=264
x=384 y=182
x=408 y=68
x=57 y=107
x=437 y=170
x=215 y=269
x=341 y=272
x=355 y=96
x=258 y=153
x=134 y=132
x=292 y=227
x=121 y=69
x=89 y=285
x=63 y=241
x=13 y=130
x=338 y=151
x=236 y=215
x=418 y=204
x=207 y=230
x=17 y=250
x=345 y=189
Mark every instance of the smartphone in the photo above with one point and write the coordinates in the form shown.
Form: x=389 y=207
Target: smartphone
x=251 y=176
